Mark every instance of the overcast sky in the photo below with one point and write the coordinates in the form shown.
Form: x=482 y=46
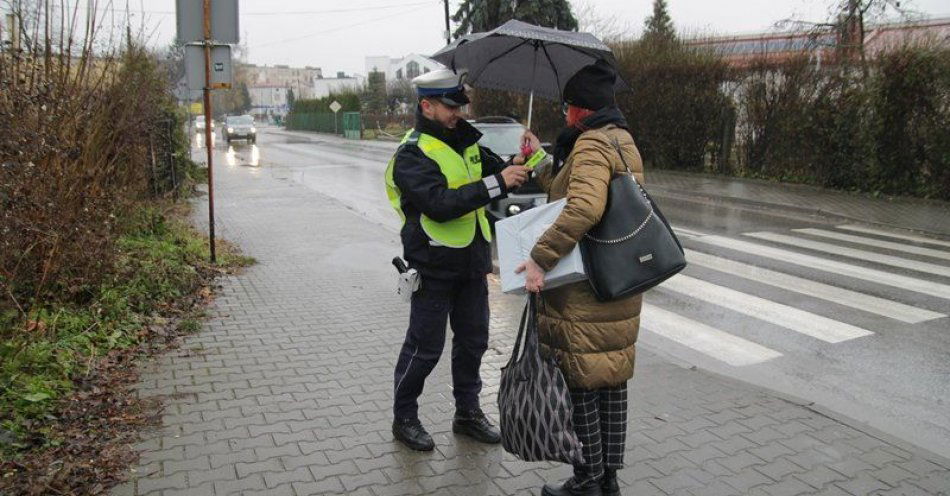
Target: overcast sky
x=336 y=35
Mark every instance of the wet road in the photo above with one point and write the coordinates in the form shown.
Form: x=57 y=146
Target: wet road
x=849 y=317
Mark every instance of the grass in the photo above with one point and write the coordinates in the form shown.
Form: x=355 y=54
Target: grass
x=160 y=279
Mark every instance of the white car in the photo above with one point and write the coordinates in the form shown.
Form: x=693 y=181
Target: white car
x=240 y=127
x=502 y=135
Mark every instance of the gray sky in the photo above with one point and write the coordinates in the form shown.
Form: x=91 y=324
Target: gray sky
x=336 y=35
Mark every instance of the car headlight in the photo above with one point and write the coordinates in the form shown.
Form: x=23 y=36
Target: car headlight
x=513 y=209
x=230 y=129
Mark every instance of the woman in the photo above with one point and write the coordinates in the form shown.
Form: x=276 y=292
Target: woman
x=592 y=341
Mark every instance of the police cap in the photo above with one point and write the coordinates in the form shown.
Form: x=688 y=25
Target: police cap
x=444 y=84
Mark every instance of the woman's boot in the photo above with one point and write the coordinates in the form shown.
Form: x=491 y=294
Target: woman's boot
x=609 y=485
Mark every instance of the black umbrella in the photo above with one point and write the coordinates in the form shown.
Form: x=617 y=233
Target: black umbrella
x=525 y=58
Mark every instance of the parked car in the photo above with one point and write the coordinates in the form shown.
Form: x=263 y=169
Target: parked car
x=503 y=136
x=239 y=127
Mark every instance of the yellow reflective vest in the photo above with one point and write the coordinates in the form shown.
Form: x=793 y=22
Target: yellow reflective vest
x=458 y=170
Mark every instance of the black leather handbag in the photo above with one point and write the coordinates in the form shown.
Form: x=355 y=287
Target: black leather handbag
x=632 y=248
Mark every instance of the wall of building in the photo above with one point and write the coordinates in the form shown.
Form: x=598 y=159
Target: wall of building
x=324 y=86
x=300 y=79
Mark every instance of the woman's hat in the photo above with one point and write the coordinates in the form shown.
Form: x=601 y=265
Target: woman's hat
x=592 y=87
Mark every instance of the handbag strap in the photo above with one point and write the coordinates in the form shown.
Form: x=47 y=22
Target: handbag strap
x=521 y=329
x=649 y=216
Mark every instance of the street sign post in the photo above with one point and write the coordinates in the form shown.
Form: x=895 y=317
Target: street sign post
x=221 y=70
x=190 y=21
x=335 y=107
x=204 y=25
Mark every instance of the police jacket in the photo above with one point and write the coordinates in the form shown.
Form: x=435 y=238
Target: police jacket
x=425 y=190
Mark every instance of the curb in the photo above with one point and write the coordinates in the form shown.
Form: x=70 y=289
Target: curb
x=691 y=196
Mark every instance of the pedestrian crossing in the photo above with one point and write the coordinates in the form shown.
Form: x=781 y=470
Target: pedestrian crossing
x=903 y=263
x=907 y=275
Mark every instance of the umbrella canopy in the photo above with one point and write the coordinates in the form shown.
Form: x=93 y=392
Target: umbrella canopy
x=525 y=58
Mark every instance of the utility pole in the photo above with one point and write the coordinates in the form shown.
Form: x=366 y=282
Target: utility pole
x=209 y=133
x=448 y=31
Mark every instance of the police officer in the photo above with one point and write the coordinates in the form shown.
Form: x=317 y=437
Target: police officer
x=439 y=181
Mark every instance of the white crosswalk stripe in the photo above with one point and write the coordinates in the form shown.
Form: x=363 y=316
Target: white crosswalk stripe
x=725 y=346
x=682 y=231
x=903 y=263
x=890 y=245
x=800 y=321
x=895 y=235
x=818 y=263
x=841 y=296
x=708 y=340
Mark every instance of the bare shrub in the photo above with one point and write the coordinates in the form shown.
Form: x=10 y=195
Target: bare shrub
x=79 y=131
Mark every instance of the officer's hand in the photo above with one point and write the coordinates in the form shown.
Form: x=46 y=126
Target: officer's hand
x=534 y=279
x=514 y=175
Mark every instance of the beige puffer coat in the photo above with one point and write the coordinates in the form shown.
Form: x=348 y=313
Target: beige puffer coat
x=593 y=341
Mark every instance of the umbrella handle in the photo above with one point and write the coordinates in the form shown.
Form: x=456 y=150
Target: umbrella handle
x=530 y=107
x=534 y=71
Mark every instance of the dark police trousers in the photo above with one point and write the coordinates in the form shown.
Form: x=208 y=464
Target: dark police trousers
x=464 y=303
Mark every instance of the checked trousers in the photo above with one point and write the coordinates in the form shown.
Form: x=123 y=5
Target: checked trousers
x=600 y=421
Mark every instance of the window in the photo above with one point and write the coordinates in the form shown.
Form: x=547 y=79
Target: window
x=398 y=73
x=425 y=70
x=412 y=69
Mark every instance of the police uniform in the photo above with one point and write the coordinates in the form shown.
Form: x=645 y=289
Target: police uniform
x=439 y=181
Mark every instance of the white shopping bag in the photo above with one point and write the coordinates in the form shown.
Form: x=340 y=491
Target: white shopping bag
x=517 y=236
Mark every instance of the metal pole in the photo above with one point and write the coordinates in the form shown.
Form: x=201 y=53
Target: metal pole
x=208 y=131
x=448 y=31
x=534 y=70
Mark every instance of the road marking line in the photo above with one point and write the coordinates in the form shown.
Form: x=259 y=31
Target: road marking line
x=916 y=250
x=841 y=296
x=890 y=234
x=707 y=340
x=791 y=318
x=680 y=231
x=841 y=268
x=870 y=256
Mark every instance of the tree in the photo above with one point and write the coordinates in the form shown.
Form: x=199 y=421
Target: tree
x=475 y=16
x=245 y=100
x=290 y=99
x=658 y=28
x=374 y=94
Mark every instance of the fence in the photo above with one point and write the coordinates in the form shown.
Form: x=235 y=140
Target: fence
x=348 y=124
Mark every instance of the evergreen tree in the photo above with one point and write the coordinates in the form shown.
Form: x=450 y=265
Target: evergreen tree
x=659 y=26
x=245 y=98
x=291 y=98
x=475 y=16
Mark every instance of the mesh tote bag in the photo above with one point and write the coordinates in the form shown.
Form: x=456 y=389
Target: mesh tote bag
x=534 y=401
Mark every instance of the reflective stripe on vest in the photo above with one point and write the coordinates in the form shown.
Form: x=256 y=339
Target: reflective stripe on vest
x=458 y=171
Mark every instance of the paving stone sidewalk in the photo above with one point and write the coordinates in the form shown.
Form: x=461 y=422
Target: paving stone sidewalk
x=288 y=389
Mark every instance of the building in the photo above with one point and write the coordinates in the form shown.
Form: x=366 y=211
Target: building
x=300 y=79
x=268 y=100
x=324 y=86
x=408 y=67
x=741 y=51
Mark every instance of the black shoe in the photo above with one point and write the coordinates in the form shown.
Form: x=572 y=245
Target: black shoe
x=609 y=485
x=573 y=488
x=474 y=424
x=412 y=434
